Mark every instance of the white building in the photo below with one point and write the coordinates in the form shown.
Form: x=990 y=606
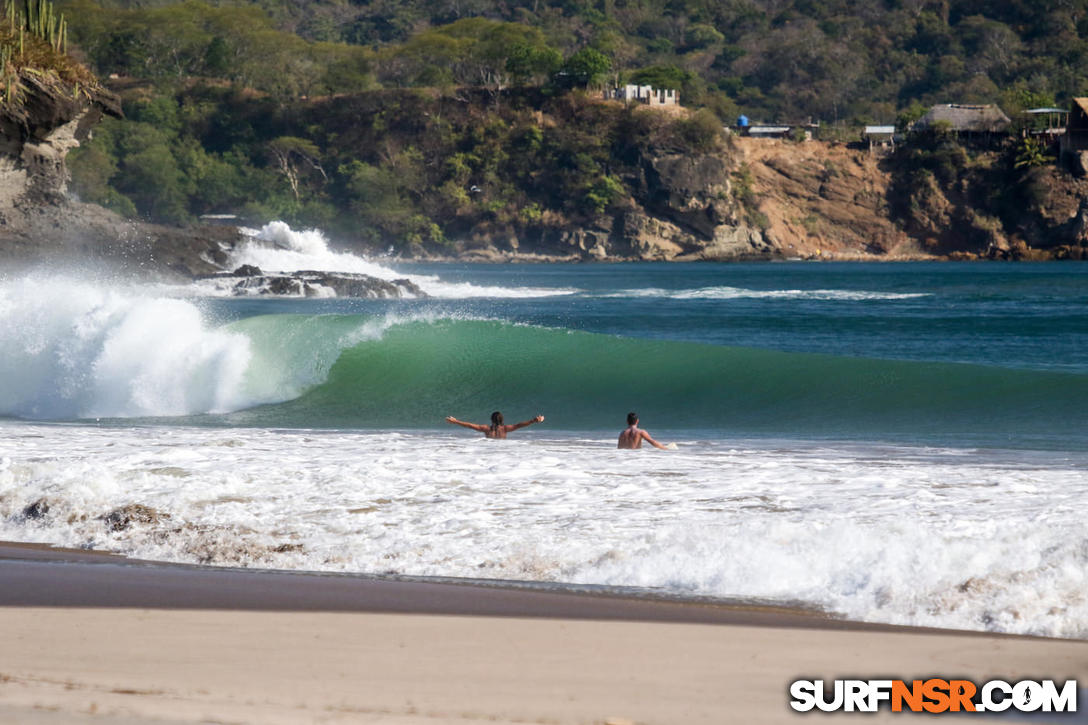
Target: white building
x=647 y=95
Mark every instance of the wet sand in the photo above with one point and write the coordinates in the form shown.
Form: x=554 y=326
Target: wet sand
x=88 y=637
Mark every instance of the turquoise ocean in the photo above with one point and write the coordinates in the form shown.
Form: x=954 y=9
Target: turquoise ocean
x=893 y=442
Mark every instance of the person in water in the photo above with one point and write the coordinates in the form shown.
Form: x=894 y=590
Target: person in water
x=496 y=429
x=632 y=436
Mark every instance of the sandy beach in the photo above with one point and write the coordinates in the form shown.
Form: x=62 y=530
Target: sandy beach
x=94 y=638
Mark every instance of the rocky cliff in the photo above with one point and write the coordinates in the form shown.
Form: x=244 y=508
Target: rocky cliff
x=41 y=223
x=750 y=199
x=734 y=199
x=823 y=201
x=780 y=199
x=679 y=207
x=36 y=132
x=685 y=207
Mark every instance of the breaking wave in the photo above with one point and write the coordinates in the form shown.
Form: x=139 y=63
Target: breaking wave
x=70 y=351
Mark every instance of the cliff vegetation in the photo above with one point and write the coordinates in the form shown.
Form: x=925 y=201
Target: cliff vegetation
x=475 y=126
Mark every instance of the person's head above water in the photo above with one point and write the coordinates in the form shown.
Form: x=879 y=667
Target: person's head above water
x=496 y=418
x=632 y=436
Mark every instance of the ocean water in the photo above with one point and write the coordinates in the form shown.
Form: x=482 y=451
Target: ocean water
x=901 y=443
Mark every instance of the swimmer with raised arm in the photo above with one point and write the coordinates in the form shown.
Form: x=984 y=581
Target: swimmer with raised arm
x=632 y=436
x=496 y=429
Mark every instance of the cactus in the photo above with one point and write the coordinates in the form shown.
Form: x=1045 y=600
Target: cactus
x=40 y=19
x=24 y=25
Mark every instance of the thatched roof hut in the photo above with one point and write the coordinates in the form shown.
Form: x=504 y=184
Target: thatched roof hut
x=1078 y=114
x=1076 y=129
x=967 y=119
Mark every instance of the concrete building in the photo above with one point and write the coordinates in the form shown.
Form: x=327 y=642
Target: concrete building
x=646 y=95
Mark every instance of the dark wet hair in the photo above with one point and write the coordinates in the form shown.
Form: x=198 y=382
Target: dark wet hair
x=632 y=418
x=496 y=419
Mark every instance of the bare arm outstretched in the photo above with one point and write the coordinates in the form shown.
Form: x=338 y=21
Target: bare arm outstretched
x=474 y=426
x=515 y=426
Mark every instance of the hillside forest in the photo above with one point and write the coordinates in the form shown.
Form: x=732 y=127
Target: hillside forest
x=403 y=122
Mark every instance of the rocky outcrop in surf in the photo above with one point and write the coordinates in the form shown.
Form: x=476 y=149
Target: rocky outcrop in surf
x=248 y=280
x=123 y=517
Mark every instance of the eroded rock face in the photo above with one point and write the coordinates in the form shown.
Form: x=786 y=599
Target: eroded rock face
x=37 y=134
x=1077 y=230
x=682 y=207
x=820 y=200
x=39 y=223
x=692 y=191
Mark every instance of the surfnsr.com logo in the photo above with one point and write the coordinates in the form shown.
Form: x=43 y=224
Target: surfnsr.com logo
x=933 y=696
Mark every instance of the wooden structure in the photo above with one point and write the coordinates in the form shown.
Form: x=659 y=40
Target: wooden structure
x=882 y=137
x=967 y=121
x=1049 y=121
x=1076 y=129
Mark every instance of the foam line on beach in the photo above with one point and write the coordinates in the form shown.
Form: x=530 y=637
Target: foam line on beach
x=39 y=576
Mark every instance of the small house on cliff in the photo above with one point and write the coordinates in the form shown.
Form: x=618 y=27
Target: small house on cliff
x=646 y=95
x=1045 y=121
x=1076 y=128
x=879 y=137
x=967 y=121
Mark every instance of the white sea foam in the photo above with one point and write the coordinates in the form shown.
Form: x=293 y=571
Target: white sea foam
x=276 y=247
x=976 y=540
x=731 y=293
x=70 y=349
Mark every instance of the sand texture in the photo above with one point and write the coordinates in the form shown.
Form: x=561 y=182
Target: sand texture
x=81 y=663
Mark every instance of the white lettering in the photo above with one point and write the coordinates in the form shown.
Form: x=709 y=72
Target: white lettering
x=993 y=696
x=836 y=702
x=856 y=695
x=989 y=704
x=1027 y=696
x=803 y=693
x=1064 y=701
x=880 y=691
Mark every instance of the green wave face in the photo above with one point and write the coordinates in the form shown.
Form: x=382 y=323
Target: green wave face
x=415 y=373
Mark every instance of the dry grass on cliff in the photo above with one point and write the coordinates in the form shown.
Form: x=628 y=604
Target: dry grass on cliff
x=23 y=54
x=40 y=56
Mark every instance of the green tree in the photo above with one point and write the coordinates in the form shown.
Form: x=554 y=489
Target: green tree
x=527 y=63
x=587 y=67
x=702 y=36
x=602 y=193
x=688 y=84
x=293 y=156
x=152 y=179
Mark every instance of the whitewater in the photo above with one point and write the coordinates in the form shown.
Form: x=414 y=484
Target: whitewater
x=892 y=443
